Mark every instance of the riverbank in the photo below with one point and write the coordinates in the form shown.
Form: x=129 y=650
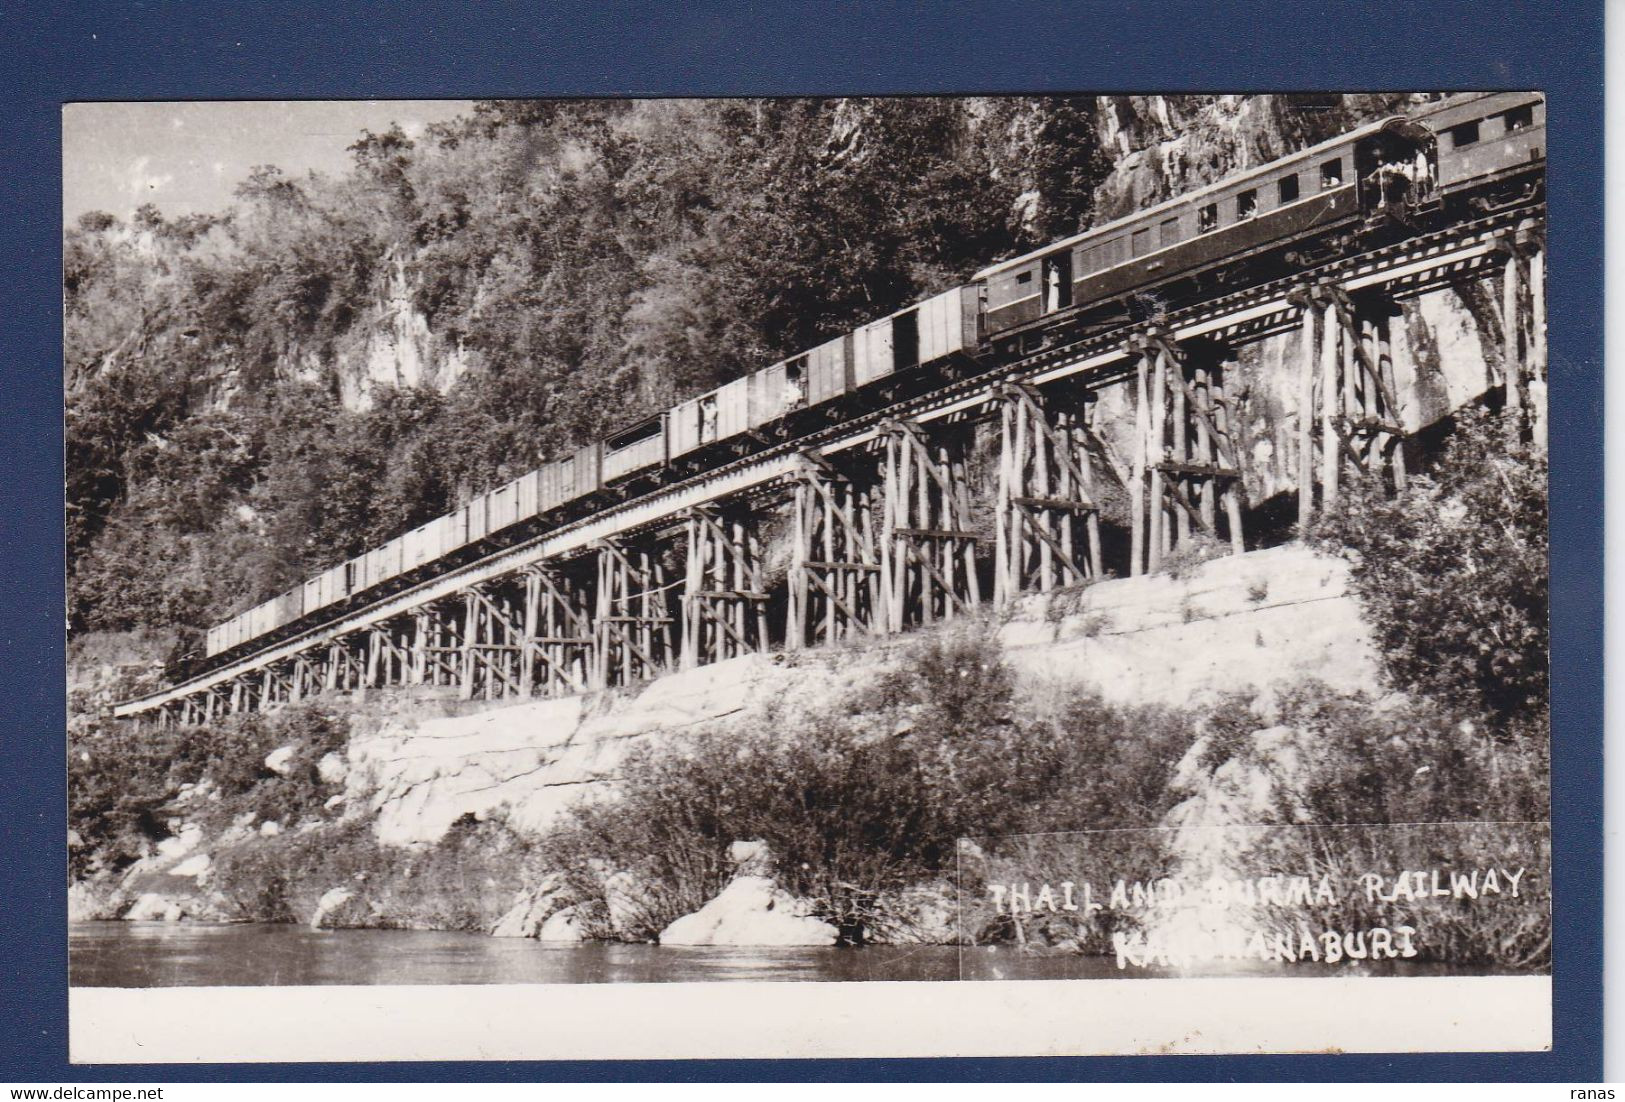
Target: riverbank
x=805 y=799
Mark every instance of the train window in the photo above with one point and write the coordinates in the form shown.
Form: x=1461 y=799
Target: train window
x=1024 y=277
x=1140 y=242
x=1169 y=232
x=1287 y=189
x=1247 y=204
x=1520 y=118
x=1207 y=219
x=1465 y=134
x=1331 y=174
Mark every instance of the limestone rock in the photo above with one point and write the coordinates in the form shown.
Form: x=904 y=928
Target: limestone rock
x=280 y=760
x=332 y=769
x=923 y=914
x=530 y=911
x=330 y=902
x=152 y=907
x=187 y=839
x=752 y=910
x=561 y=926
x=751 y=858
x=196 y=866
x=85 y=903
x=270 y=828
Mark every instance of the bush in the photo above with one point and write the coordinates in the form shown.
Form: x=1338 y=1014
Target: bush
x=860 y=803
x=124 y=784
x=1443 y=792
x=465 y=881
x=1452 y=573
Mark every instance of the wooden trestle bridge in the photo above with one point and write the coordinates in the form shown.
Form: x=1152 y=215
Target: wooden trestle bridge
x=878 y=509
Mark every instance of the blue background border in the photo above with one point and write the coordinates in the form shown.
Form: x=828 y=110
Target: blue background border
x=256 y=50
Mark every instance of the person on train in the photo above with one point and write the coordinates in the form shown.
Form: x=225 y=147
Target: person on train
x=795 y=395
x=708 y=418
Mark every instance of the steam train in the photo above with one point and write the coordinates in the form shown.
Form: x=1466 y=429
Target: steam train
x=1466 y=153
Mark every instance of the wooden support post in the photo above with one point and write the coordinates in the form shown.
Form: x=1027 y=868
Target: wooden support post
x=1511 y=356
x=1176 y=369
x=1330 y=459
x=1137 y=482
x=1227 y=452
x=1157 y=453
x=558 y=640
x=723 y=607
x=1385 y=366
x=418 y=672
x=1306 y=413
x=633 y=626
x=1047 y=526
x=465 y=679
x=928 y=552
x=837 y=585
x=1537 y=343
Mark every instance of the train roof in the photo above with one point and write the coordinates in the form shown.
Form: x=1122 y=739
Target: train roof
x=1237 y=178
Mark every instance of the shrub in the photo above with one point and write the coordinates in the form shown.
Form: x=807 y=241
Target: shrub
x=123 y=784
x=465 y=881
x=1445 y=791
x=859 y=803
x=1452 y=573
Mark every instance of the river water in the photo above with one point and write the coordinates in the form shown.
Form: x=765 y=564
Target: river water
x=156 y=954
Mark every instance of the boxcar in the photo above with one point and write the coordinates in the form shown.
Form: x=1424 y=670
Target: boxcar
x=330 y=585
x=715 y=415
x=872 y=352
x=635 y=449
x=947 y=324
x=550 y=493
x=527 y=488
x=394 y=560
x=828 y=370
x=771 y=394
x=475 y=523
x=440 y=537
x=260 y=619
x=290 y=606
x=564 y=480
x=686 y=422
x=416 y=547
x=502 y=507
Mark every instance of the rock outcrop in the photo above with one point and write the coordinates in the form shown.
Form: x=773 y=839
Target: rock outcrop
x=751 y=910
x=1232 y=624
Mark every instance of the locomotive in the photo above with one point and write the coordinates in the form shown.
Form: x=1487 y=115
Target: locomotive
x=1467 y=154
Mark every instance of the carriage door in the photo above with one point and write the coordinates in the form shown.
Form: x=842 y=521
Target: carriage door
x=1057 y=281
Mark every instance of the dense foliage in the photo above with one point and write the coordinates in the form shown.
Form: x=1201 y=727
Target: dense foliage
x=564 y=265
x=861 y=804
x=125 y=787
x=1452 y=574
